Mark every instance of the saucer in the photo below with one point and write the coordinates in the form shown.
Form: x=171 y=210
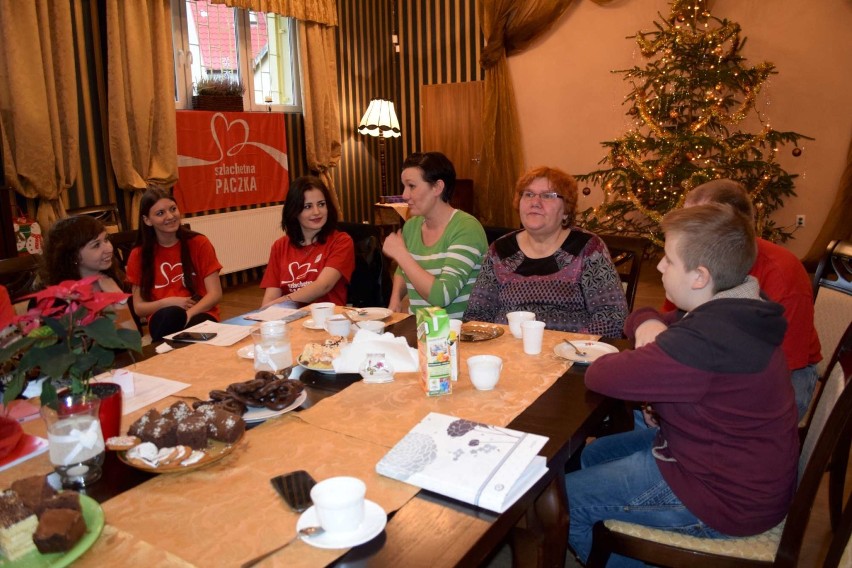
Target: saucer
x=309 y=323
x=246 y=352
x=593 y=350
x=373 y=524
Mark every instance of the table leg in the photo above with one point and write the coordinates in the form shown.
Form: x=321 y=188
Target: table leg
x=541 y=538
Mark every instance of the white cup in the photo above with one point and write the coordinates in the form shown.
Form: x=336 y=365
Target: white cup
x=515 y=321
x=484 y=371
x=339 y=503
x=338 y=325
x=455 y=325
x=374 y=326
x=320 y=312
x=533 y=332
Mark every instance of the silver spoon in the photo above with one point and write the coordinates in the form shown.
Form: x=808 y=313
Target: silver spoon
x=574 y=347
x=305 y=531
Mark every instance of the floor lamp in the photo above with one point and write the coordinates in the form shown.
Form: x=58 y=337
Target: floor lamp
x=380 y=120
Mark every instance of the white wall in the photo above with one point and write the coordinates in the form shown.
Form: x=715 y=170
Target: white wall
x=569 y=101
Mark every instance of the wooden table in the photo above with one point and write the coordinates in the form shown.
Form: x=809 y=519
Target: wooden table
x=426 y=529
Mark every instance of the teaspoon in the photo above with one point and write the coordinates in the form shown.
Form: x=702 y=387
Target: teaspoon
x=574 y=347
x=304 y=531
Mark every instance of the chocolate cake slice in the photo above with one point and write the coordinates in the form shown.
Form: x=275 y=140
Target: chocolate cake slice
x=33 y=491
x=59 y=530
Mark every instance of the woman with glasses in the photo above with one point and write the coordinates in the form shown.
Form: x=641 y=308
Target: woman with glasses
x=439 y=249
x=552 y=268
x=314 y=261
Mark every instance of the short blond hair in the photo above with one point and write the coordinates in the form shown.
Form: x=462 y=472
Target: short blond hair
x=717 y=237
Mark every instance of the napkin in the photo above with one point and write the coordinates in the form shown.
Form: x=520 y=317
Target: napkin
x=402 y=358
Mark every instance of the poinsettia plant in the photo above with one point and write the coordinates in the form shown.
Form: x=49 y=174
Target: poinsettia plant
x=68 y=336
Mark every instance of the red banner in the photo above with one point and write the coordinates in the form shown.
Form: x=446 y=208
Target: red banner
x=227 y=159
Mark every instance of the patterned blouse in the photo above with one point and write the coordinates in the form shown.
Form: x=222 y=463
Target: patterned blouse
x=575 y=289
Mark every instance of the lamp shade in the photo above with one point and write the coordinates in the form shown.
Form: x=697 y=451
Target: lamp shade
x=380 y=120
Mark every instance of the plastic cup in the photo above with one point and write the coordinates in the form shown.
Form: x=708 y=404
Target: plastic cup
x=484 y=371
x=515 y=321
x=533 y=332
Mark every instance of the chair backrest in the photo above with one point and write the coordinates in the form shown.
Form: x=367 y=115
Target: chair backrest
x=833 y=297
x=18 y=274
x=827 y=443
x=627 y=254
x=106 y=213
x=370 y=283
x=122 y=243
x=494 y=233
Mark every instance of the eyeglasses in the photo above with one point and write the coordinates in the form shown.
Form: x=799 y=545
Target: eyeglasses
x=546 y=196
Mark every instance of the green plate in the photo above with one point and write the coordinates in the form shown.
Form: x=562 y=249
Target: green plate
x=94 y=516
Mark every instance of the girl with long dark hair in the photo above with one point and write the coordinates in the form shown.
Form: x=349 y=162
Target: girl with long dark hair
x=314 y=261
x=174 y=271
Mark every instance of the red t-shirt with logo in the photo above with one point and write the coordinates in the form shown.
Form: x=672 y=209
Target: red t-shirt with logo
x=168 y=269
x=291 y=267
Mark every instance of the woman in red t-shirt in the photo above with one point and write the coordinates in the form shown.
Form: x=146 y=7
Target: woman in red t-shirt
x=174 y=271
x=313 y=262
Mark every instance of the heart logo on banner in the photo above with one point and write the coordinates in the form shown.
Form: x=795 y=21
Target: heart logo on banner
x=171 y=273
x=231 y=135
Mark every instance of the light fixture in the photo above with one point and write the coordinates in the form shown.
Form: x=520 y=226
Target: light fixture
x=380 y=120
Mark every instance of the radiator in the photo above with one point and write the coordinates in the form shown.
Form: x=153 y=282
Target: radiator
x=242 y=239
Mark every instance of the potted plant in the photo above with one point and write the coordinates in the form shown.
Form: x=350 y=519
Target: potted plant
x=219 y=92
x=69 y=336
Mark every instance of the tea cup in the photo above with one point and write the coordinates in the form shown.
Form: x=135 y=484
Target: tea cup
x=339 y=503
x=484 y=371
x=338 y=325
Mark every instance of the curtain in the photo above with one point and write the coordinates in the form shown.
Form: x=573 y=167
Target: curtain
x=510 y=26
x=323 y=144
x=318 y=57
x=38 y=102
x=837 y=225
x=140 y=83
x=317 y=11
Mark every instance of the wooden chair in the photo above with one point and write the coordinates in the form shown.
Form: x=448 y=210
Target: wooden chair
x=779 y=546
x=122 y=243
x=833 y=297
x=627 y=254
x=106 y=213
x=18 y=274
x=840 y=549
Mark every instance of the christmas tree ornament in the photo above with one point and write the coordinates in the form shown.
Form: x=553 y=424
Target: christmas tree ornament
x=797 y=152
x=587 y=191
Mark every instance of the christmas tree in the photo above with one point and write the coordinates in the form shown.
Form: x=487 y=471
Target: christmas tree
x=688 y=104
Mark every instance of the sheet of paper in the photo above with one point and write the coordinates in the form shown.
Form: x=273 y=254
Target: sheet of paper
x=149 y=389
x=276 y=312
x=226 y=334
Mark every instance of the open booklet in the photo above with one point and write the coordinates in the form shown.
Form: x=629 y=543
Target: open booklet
x=487 y=466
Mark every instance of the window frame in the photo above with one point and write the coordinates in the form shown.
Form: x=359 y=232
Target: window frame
x=182 y=61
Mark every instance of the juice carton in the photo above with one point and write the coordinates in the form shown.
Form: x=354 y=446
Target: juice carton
x=433 y=337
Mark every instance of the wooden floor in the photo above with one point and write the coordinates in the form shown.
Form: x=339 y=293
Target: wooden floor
x=240 y=299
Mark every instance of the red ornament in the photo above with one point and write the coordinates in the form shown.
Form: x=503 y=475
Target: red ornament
x=587 y=190
x=797 y=152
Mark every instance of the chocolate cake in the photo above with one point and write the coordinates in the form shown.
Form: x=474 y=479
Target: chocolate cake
x=178 y=412
x=143 y=422
x=17 y=525
x=223 y=425
x=192 y=432
x=64 y=500
x=59 y=530
x=33 y=491
x=162 y=432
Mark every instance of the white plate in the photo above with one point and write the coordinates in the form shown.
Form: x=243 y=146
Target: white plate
x=260 y=413
x=309 y=323
x=246 y=352
x=373 y=524
x=593 y=349
x=369 y=314
x=317 y=369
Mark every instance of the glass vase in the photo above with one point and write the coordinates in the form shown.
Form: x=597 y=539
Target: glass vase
x=76 y=444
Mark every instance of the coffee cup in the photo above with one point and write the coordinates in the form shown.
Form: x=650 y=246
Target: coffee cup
x=339 y=503
x=374 y=326
x=516 y=319
x=320 y=312
x=338 y=325
x=484 y=371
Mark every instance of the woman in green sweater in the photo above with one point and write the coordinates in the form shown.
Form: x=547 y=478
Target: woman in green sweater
x=439 y=249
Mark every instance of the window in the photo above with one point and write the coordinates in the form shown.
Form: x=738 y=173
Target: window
x=260 y=49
